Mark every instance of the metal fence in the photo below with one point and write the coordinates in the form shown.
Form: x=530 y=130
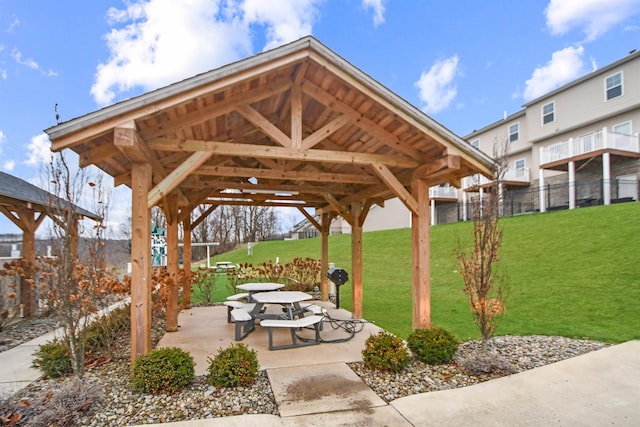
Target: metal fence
x=527 y=200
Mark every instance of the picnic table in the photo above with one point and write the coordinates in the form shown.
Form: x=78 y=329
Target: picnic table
x=254 y=288
x=289 y=300
x=290 y=317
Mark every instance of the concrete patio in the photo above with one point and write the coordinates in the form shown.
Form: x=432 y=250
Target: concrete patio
x=204 y=330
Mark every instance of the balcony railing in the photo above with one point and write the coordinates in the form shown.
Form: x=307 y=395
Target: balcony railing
x=595 y=141
x=443 y=192
x=511 y=175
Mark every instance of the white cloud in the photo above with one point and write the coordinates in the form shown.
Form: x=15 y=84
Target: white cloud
x=378 y=10
x=565 y=65
x=157 y=42
x=30 y=63
x=286 y=20
x=13 y=25
x=162 y=41
x=38 y=150
x=593 y=17
x=8 y=165
x=436 y=87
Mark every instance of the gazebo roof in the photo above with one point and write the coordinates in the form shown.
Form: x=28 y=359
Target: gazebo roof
x=295 y=126
x=17 y=194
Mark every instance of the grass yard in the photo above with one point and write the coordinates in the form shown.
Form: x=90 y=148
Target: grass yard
x=571 y=273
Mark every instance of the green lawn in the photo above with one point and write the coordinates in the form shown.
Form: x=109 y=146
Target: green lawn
x=571 y=273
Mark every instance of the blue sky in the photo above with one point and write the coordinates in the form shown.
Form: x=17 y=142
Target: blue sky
x=464 y=63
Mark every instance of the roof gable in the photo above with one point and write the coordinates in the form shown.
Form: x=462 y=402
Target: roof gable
x=295 y=126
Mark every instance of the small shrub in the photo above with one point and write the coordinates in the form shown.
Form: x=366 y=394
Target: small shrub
x=385 y=352
x=104 y=331
x=203 y=281
x=237 y=365
x=53 y=359
x=163 y=370
x=433 y=346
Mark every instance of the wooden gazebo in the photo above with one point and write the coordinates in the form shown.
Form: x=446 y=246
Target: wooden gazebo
x=27 y=206
x=295 y=126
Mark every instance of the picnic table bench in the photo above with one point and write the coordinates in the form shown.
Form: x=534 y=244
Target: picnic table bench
x=314 y=321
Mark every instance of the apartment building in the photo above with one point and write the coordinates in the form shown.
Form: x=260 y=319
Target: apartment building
x=575 y=146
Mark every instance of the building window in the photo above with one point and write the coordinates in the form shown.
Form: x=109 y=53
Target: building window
x=613 y=86
x=520 y=168
x=622 y=128
x=514 y=132
x=476 y=143
x=548 y=113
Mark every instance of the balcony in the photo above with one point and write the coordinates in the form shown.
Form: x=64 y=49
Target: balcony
x=443 y=192
x=517 y=177
x=599 y=141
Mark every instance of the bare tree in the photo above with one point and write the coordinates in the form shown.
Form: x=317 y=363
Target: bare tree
x=485 y=288
x=75 y=284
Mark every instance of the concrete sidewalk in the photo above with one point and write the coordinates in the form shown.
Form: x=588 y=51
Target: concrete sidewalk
x=595 y=389
x=16 y=371
x=15 y=364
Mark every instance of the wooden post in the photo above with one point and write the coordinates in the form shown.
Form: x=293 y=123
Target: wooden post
x=356 y=260
x=186 y=264
x=324 y=257
x=420 y=257
x=140 y=261
x=29 y=256
x=171 y=214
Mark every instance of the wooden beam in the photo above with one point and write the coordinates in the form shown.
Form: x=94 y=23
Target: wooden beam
x=325 y=131
x=310 y=176
x=171 y=181
x=140 y=261
x=126 y=140
x=95 y=155
x=447 y=164
x=396 y=186
x=359 y=120
x=247 y=202
x=285 y=153
x=310 y=218
x=342 y=210
x=439 y=134
x=365 y=211
x=296 y=116
x=211 y=186
x=220 y=108
x=171 y=215
x=421 y=292
x=204 y=216
x=262 y=123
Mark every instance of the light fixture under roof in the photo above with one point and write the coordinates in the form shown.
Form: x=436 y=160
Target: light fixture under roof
x=274 y=192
